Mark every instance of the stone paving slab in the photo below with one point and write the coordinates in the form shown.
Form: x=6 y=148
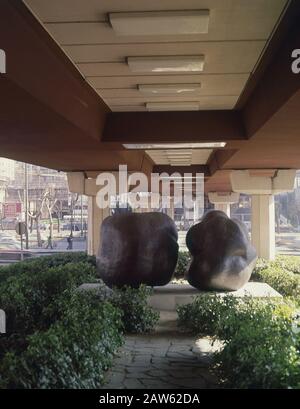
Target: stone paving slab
x=164 y=360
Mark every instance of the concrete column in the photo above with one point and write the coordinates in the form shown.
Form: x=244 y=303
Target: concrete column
x=222 y=201
x=170 y=210
x=79 y=184
x=263 y=225
x=95 y=219
x=198 y=210
x=224 y=207
x=262 y=185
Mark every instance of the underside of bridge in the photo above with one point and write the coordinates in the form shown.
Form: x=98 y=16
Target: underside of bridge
x=176 y=85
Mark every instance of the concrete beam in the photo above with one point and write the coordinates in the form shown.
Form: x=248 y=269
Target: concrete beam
x=143 y=127
x=243 y=181
x=227 y=198
x=36 y=64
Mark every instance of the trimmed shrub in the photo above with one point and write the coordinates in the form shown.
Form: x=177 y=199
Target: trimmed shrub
x=73 y=353
x=30 y=300
x=289 y=263
x=137 y=315
x=183 y=262
x=283 y=274
x=261 y=264
x=58 y=337
x=283 y=281
x=262 y=353
x=202 y=316
x=35 y=265
x=261 y=339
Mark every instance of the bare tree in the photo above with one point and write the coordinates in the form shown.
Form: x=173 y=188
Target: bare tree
x=50 y=203
x=74 y=199
x=36 y=216
x=2 y=211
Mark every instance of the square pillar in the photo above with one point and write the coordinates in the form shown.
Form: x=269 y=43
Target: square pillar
x=95 y=219
x=222 y=201
x=198 y=210
x=170 y=210
x=224 y=207
x=263 y=225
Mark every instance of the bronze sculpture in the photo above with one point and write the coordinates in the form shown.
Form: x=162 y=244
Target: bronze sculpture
x=137 y=248
x=222 y=255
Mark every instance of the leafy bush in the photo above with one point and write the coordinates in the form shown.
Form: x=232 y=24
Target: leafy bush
x=58 y=337
x=183 y=261
x=261 y=264
x=283 y=274
x=35 y=265
x=73 y=353
x=262 y=353
x=202 y=316
x=261 y=339
x=29 y=299
x=283 y=281
x=137 y=315
x=289 y=263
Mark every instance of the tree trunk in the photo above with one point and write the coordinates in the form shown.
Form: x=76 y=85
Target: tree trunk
x=38 y=232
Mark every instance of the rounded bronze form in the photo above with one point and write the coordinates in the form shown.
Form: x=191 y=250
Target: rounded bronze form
x=137 y=248
x=222 y=255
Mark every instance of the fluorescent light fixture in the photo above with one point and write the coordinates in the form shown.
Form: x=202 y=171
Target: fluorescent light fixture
x=169 y=89
x=172 y=106
x=181 y=63
x=160 y=23
x=187 y=145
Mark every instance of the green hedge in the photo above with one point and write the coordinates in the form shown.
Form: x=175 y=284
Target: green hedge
x=282 y=274
x=58 y=337
x=30 y=299
x=183 y=262
x=35 y=265
x=137 y=315
x=73 y=353
x=283 y=281
x=260 y=339
x=287 y=263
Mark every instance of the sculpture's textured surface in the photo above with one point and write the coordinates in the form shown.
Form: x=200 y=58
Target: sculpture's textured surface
x=222 y=255
x=137 y=248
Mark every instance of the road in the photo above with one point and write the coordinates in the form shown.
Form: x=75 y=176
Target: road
x=286 y=243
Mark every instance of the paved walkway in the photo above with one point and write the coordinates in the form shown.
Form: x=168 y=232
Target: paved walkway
x=166 y=359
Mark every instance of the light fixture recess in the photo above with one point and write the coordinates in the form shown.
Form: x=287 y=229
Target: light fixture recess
x=179 y=145
x=172 y=106
x=157 y=23
x=169 y=89
x=180 y=63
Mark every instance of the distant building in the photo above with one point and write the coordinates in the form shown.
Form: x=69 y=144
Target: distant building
x=7 y=170
x=7 y=176
x=12 y=185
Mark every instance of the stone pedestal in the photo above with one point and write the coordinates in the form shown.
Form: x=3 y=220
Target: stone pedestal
x=167 y=298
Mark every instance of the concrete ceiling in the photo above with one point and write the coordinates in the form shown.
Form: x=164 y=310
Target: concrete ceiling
x=52 y=113
x=237 y=34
